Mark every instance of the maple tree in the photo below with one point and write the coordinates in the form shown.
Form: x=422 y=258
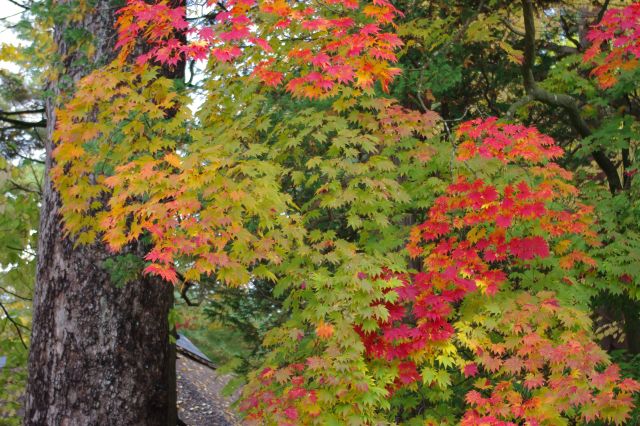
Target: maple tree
x=424 y=275
x=209 y=196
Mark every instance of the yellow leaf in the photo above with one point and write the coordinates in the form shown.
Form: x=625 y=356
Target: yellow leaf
x=173 y=160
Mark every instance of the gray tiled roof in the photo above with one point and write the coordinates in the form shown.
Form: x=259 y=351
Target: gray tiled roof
x=188 y=346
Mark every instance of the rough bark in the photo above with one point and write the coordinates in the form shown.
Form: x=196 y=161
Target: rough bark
x=100 y=355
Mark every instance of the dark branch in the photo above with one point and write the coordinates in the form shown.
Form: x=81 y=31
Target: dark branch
x=31 y=111
x=20 y=5
x=511 y=28
x=567 y=32
x=15 y=294
x=566 y=102
x=601 y=13
x=16 y=325
x=21 y=124
x=559 y=49
x=24 y=157
x=626 y=167
x=22 y=250
x=23 y=188
x=186 y=285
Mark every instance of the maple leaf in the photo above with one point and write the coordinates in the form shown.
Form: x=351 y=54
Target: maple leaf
x=529 y=248
x=291 y=413
x=513 y=365
x=166 y=272
x=471 y=370
x=324 y=330
x=316 y=363
x=475 y=398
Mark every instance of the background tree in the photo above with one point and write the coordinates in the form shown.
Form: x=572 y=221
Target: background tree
x=21 y=134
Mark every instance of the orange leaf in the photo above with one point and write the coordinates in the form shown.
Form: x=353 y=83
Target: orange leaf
x=324 y=330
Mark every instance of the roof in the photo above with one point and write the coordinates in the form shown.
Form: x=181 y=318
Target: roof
x=199 y=387
x=200 y=399
x=184 y=344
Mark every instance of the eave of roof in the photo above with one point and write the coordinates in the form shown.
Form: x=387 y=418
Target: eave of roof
x=185 y=347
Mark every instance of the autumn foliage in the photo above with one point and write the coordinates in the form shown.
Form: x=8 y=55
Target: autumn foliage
x=617 y=36
x=473 y=297
x=345 y=50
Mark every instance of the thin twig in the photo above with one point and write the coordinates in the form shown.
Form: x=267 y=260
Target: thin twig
x=23 y=250
x=23 y=188
x=15 y=294
x=16 y=325
x=20 y=5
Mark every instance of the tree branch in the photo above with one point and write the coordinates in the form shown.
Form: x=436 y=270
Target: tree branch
x=626 y=166
x=511 y=28
x=15 y=294
x=22 y=250
x=567 y=32
x=186 y=285
x=20 y=5
x=30 y=111
x=559 y=49
x=21 y=124
x=16 y=325
x=601 y=13
x=24 y=157
x=23 y=188
x=566 y=102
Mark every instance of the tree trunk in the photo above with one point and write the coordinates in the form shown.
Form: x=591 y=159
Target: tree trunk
x=100 y=355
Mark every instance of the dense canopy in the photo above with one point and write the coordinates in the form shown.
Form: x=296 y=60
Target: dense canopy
x=374 y=212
